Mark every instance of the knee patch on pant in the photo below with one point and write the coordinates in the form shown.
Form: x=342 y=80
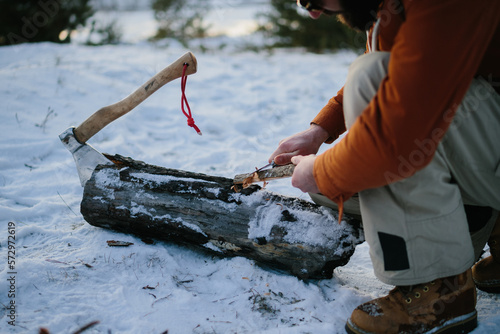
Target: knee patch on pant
x=394 y=250
x=477 y=216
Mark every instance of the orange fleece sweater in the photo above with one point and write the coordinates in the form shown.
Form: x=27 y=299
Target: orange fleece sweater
x=437 y=48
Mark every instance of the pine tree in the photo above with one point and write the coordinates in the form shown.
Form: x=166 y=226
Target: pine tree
x=28 y=21
x=180 y=19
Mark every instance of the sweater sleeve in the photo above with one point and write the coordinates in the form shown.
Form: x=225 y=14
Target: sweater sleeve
x=331 y=117
x=434 y=58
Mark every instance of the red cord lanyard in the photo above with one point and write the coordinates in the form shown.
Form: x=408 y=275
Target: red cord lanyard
x=184 y=101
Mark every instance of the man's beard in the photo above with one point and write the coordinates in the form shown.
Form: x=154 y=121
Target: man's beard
x=359 y=14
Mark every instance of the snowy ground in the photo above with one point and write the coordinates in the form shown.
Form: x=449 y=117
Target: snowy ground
x=67 y=276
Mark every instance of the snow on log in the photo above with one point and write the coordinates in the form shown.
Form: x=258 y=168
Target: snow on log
x=284 y=233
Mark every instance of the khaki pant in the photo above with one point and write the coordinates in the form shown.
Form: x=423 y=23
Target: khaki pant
x=417 y=228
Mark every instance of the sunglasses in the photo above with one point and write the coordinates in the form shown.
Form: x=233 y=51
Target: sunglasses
x=312 y=6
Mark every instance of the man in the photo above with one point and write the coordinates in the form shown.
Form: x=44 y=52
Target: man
x=422 y=110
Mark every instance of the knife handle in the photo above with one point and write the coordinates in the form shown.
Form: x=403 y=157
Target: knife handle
x=106 y=115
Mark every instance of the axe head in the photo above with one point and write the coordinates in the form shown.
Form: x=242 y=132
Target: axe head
x=86 y=157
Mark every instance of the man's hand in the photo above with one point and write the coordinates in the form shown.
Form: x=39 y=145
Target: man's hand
x=303 y=143
x=303 y=177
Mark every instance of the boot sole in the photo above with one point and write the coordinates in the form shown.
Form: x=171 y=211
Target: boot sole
x=493 y=287
x=459 y=325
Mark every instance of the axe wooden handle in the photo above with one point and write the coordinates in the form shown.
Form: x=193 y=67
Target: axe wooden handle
x=106 y=115
x=264 y=175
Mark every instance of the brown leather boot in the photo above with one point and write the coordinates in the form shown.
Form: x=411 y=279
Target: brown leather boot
x=446 y=305
x=486 y=273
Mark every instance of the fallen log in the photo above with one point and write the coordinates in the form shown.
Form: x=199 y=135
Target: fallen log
x=203 y=211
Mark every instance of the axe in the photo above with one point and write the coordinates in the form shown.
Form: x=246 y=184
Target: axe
x=75 y=139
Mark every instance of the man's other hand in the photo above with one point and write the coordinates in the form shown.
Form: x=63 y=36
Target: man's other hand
x=303 y=177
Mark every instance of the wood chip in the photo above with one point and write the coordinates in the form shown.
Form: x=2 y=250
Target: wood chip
x=117 y=243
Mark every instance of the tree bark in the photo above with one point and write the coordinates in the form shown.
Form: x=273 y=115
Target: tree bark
x=203 y=211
